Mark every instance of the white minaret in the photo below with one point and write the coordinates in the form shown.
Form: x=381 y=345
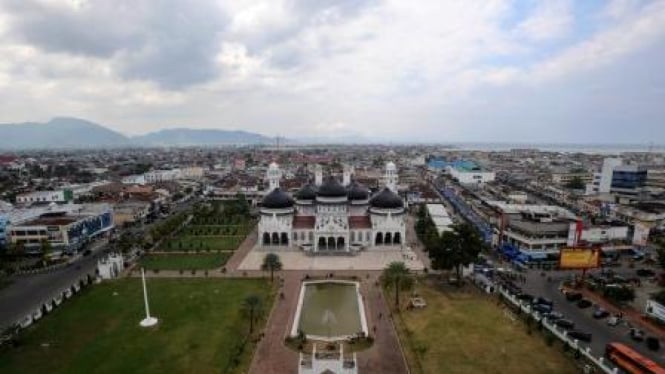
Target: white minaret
x=391 y=176
x=273 y=175
x=148 y=321
x=318 y=175
x=348 y=171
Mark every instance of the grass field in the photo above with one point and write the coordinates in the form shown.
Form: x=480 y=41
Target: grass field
x=204 y=230
x=201 y=325
x=198 y=243
x=184 y=261
x=467 y=333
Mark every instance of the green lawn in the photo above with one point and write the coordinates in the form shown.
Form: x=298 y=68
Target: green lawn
x=184 y=261
x=201 y=325
x=468 y=333
x=217 y=230
x=197 y=243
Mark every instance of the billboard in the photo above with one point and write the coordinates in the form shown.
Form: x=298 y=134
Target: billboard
x=579 y=258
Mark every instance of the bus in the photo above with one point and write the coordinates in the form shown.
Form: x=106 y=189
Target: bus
x=630 y=361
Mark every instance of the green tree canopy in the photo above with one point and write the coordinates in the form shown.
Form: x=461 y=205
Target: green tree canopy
x=398 y=277
x=455 y=249
x=271 y=263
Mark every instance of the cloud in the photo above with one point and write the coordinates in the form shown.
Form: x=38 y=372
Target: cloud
x=454 y=70
x=170 y=42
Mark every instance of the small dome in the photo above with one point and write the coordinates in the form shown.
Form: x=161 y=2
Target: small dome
x=387 y=199
x=358 y=192
x=273 y=166
x=277 y=199
x=331 y=188
x=307 y=192
x=391 y=166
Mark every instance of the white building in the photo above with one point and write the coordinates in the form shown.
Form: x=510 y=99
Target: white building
x=59 y=196
x=602 y=182
x=111 y=266
x=332 y=218
x=471 y=176
x=440 y=217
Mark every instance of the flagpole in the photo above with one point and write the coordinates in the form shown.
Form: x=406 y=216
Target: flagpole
x=147 y=321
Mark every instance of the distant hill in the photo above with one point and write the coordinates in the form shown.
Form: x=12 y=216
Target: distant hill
x=65 y=132
x=188 y=137
x=60 y=132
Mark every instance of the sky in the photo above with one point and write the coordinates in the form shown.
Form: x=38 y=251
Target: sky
x=561 y=71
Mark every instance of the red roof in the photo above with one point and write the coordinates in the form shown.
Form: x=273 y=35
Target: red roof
x=303 y=222
x=360 y=222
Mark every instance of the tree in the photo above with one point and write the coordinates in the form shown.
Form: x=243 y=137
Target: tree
x=456 y=248
x=397 y=276
x=46 y=250
x=575 y=183
x=271 y=263
x=252 y=306
x=660 y=251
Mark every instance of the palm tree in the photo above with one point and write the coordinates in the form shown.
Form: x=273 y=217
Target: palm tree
x=252 y=307
x=46 y=250
x=398 y=276
x=271 y=263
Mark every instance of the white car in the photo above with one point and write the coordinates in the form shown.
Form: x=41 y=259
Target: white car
x=613 y=321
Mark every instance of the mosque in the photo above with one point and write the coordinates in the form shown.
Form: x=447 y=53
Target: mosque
x=331 y=216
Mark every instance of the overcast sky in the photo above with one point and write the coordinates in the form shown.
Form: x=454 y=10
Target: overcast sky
x=468 y=70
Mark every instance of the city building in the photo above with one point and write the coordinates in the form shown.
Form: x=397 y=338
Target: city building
x=4 y=221
x=330 y=217
x=619 y=179
x=64 y=229
x=440 y=217
x=60 y=196
x=469 y=173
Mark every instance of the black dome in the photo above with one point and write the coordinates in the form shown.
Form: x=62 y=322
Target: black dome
x=331 y=188
x=358 y=192
x=387 y=199
x=307 y=192
x=277 y=199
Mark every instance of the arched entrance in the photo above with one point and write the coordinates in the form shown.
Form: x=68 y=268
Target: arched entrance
x=285 y=239
x=397 y=238
x=340 y=243
x=388 y=239
x=379 y=239
x=331 y=243
x=322 y=243
x=266 y=238
x=275 y=238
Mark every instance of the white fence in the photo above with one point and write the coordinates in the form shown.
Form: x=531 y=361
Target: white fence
x=560 y=333
x=55 y=301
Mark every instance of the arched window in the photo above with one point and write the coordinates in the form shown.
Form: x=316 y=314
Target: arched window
x=266 y=238
x=387 y=238
x=397 y=238
x=340 y=242
x=331 y=242
x=275 y=238
x=353 y=236
x=311 y=236
x=379 y=239
x=285 y=239
x=322 y=243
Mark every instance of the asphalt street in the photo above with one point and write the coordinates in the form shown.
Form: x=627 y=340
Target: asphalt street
x=27 y=293
x=602 y=334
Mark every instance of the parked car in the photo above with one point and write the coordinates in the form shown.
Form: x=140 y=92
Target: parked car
x=636 y=334
x=565 y=323
x=542 y=308
x=573 y=296
x=584 y=303
x=580 y=335
x=543 y=301
x=645 y=272
x=525 y=297
x=553 y=316
x=600 y=313
x=653 y=343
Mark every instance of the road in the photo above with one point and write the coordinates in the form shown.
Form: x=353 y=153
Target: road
x=602 y=334
x=27 y=293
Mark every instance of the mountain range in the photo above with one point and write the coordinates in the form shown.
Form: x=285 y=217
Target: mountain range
x=66 y=132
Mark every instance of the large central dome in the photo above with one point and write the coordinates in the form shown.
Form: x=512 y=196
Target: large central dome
x=277 y=199
x=387 y=199
x=331 y=188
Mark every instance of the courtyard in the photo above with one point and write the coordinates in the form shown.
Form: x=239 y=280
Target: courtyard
x=202 y=329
